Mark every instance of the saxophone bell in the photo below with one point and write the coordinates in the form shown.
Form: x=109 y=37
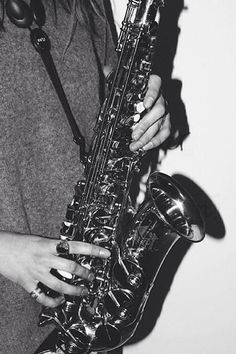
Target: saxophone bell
x=175 y=207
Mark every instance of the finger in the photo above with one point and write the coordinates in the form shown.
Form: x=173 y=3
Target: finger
x=65 y=265
x=158 y=131
x=153 y=92
x=77 y=247
x=42 y=298
x=157 y=112
x=62 y=287
x=158 y=139
x=88 y=249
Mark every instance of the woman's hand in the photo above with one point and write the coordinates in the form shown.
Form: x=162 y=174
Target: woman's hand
x=154 y=128
x=27 y=260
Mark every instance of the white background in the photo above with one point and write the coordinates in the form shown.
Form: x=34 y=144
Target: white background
x=199 y=312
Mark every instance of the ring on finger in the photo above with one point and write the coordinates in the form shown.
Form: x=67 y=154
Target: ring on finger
x=36 y=293
x=63 y=248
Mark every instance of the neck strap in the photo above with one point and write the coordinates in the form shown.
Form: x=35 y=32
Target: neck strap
x=23 y=16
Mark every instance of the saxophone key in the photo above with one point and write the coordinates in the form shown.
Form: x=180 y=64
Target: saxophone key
x=101 y=217
x=116 y=99
x=128 y=274
x=67 y=229
x=98 y=236
x=135 y=280
x=117 y=300
x=79 y=188
x=145 y=65
x=126 y=121
x=107 y=336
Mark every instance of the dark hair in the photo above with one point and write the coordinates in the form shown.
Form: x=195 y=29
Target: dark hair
x=80 y=10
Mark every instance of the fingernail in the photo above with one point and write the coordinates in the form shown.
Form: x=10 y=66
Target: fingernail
x=135 y=146
x=91 y=277
x=132 y=147
x=147 y=147
x=136 y=134
x=105 y=253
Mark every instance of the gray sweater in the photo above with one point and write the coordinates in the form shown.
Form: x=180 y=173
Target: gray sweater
x=39 y=162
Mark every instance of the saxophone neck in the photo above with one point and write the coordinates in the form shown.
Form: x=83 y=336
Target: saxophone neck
x=148 y=12
x=141 y=14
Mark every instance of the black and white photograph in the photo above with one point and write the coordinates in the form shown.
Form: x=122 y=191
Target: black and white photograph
x=117 y=177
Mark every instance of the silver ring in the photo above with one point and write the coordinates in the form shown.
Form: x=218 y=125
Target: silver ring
x=63 y=248
x=36 y=293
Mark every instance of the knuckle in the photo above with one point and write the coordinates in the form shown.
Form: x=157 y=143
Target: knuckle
x=141 y=128
x=152 y=92
x=63 y=288
x=71 y=290
x=84 y=272
x=161 y=109
x=93 y=250
x=72 y=267
x=44 y=243
x=56 y=285
x=144 y=140
x=81 y=271
x=75 y=247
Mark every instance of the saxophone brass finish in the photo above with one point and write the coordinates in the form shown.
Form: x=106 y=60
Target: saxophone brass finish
x=101 y=212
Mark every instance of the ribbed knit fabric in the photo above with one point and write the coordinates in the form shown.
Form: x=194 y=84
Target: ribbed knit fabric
x=39 y=162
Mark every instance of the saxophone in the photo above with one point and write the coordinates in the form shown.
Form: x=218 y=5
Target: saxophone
x=101 y=211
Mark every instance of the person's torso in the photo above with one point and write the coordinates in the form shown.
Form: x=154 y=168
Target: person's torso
x=39 y=162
